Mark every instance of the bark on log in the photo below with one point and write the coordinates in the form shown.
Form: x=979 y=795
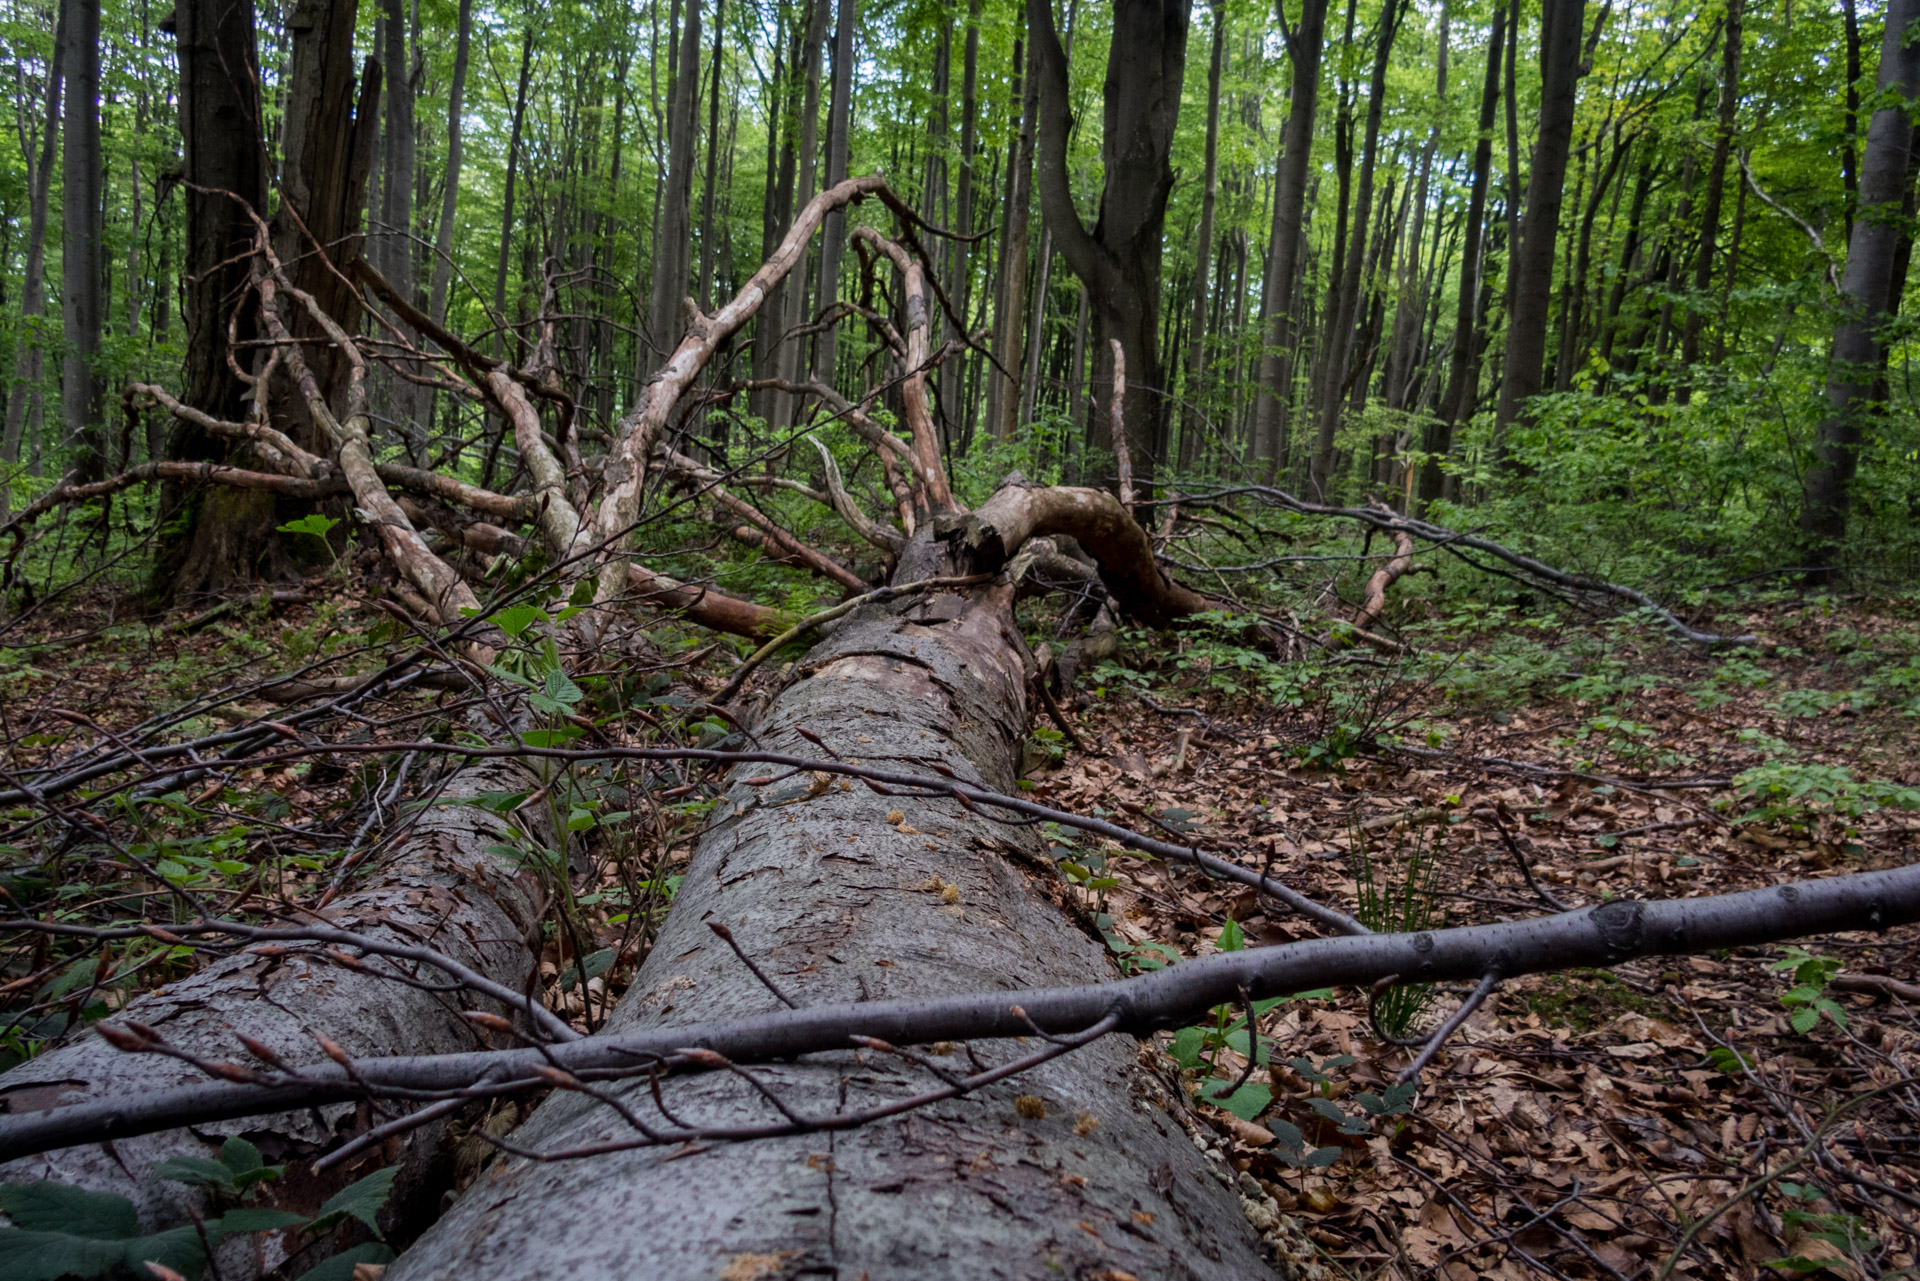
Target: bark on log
x=705 y=606
x=841 y=906
x=989 y=536
x=439 y=888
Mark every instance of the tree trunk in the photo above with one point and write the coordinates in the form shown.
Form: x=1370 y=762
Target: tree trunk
x=799 y=355
x=709 y=233
x=396 y=257
x=1345 y=303
x=1456 y=402
x=1850 y=132
x=833 y=236
x=83 y=243
x=673 y=247
x=839 y=903
x=327 y=152
x=1119 y=260
x=1866 y=289
x=1191 y=412
x=1532 y=282
x=227 y=529
x=1003 y=403
x=29 y=356
x=1305 y=45
x=443 y=238
x=1716 y=186
x=959 y=267
x=506 y=206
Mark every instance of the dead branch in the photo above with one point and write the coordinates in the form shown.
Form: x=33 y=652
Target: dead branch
x=1606 y=935
x=1116 y=421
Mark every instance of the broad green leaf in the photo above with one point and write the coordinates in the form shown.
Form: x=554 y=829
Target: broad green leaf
x=1186 y=1047
x=1232 y=939
x=1247 y=1102
x=197 y=1171
x=314 y=524
x=58 y=1207
x=514 y=620
x=48 y=1256
x=360 y=1200
x=561 y=689
x=255 y=1218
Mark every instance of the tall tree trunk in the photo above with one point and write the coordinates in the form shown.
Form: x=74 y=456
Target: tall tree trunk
x=443 y=238
x=1119 y=260
x=327 y=152
x=1305 y=44
x=29 y=357
x=1716 y=185
x=799 y=358
x=1003 y=400
x=1410 y=314
x=83 y=243
x=708 y=232
x=1866 y=289
x=396 y=257
x=1533 y=261
x=1190 y=418
x=833 y=235
x=1850 y=133
x=506 y=204
x=673 y=247
x=220 y=123
x=1341 y=322
x=777 y=212
x=953 y=426
x=1456 y=402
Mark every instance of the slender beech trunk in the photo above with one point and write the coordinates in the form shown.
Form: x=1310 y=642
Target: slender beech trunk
x=396 y=257
x=1346 y=301
x=1457 y=401
x=82 y=247
x=833 y=235
x=959 y=267
x=1305 y=44
x=456 y=98
x=1716 y=186
x=799 y=358
x=776 y=212
x=507 y=196
x=673 y=248
x=709 y=234
x=29 y=356
x=1867 y=289
x=1410 y=315
x=1190 y=418
x=1533 y=261
x=1850 y=133
x=1003 y=398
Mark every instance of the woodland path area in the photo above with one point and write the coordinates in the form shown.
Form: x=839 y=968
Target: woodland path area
x=686 y=740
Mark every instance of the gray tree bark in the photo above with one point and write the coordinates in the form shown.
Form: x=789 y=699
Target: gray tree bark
x=1532 y=279
x=438 y=888
x=1305 y=45
x=82 y=246
x=29 y=359
x=1866 y=287
x=1456 y=401
x=833 y=236
x=959 y=270
x=443 y=238
x=673 y=247
x=1119 y=259
x=840 y=904
x=1191 y=412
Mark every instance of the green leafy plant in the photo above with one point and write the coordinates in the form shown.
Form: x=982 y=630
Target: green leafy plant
x=1807 y=999
x=1398 y=896
x=62 y=1231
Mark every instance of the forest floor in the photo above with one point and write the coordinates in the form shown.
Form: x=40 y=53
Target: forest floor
x=1584 y=1124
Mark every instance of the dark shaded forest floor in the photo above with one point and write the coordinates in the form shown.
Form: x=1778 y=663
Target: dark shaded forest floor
x=1751 y=1117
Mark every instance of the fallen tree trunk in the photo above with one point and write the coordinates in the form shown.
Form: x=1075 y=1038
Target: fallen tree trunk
x=841 y=898
x=438 y=888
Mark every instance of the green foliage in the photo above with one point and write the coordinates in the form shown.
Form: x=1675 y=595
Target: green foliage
x=1798 y=794
x=63 y=1231
x=1807 y=999
x=1398 y=896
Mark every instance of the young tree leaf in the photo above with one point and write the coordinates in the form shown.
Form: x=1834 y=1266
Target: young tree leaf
x=361 y=1200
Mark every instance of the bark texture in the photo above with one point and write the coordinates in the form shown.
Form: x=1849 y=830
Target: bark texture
x=1866 y=288
x=82 y=246
x=840 y=905
x=439 y=888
